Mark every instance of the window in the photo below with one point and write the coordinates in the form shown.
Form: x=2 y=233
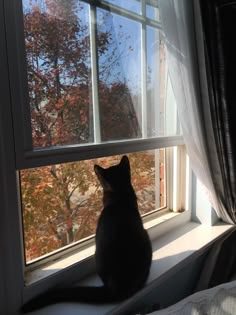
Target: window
x=88 y=83
x=61 y=203
x=96 y=84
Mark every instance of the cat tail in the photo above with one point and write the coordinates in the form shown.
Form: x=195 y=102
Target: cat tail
x=92 y=295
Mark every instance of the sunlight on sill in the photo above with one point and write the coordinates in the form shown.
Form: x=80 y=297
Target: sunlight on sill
x=81 y=254
x=54 y=266
x=164 y=216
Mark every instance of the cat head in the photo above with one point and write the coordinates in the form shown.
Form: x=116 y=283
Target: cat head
x=115 y=178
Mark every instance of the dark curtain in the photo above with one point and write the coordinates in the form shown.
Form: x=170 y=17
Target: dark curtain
x=219 y=27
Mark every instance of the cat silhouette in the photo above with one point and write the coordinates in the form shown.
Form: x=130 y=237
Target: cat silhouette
x=123 y=249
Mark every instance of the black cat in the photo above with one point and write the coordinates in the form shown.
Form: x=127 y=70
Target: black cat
x=123 y=249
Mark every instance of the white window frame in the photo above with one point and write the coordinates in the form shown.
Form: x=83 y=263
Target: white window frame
x=16 y=153
x=26 y=155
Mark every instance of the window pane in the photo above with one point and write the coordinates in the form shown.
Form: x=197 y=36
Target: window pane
x=120 y=78
x=155 y=82
x=131 y=5
x=162 y=119
x=57 y=45
x=61 y=203
x=95 y=75
x=152 y=11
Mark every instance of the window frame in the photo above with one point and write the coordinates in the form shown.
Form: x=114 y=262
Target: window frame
x=26 y=155
x=16 y=153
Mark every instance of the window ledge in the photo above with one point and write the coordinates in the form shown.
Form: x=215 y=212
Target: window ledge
x=155 y=223
x=170 y=252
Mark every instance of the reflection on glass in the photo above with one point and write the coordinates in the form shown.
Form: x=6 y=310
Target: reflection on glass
x=162 y=118
x=57 y=45
x=155 y=82
x=120 y=78
x=61 y=203
x=172 y=126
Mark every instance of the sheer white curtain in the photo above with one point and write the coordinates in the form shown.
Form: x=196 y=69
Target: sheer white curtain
x=186 y=63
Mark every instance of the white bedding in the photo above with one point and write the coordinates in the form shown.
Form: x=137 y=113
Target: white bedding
x=220 y=300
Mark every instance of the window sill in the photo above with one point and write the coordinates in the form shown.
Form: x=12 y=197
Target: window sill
x=155 y=223
x=170 y=252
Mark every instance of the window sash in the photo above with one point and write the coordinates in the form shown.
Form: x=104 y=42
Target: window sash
x=26 y=156
x=175 y=181
x=72 y=153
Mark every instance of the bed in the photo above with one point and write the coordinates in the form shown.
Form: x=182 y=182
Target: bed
x=216 y=287
x=220 y=300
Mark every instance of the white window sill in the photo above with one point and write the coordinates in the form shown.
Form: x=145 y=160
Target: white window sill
x=170 y=252
x=156 y=224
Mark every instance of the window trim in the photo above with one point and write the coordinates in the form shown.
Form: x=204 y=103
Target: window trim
x=94 y=73
x=12 y=280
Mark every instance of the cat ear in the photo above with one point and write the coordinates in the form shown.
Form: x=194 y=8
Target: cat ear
x=100 y=172
x=125 y=161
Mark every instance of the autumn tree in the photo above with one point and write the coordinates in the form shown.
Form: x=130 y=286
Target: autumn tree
x=58 y=203
x=62 y=202
x=57 y=50
x=57 y=41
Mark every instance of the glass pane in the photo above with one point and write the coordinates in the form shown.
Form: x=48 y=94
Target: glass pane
x=152 y=11
x=131 y=5
x=57 y=43
x=162 y=119
x=120 y=78
x=61 y=203
x=155 y=83
x=133 y=98
x=172 y=125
